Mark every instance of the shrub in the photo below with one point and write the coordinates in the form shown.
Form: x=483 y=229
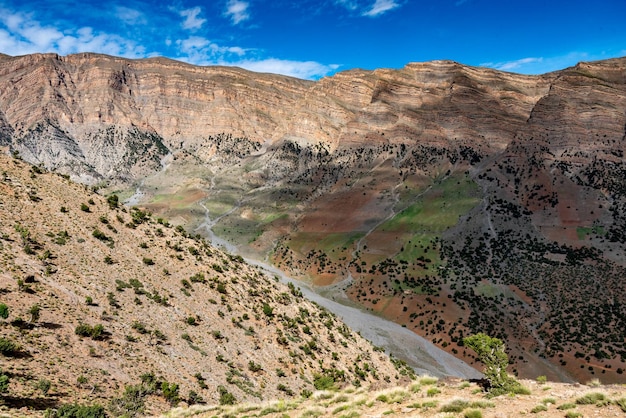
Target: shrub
x=34 y=312
x=8 y=347
x=148 y=261
x=113 y=201
x=4 y=382
x=100 y=235
x=77 y=411
x=44 y=386
x=254 y=367
x=539 y=408
x=268 y=310
x=473 y=413
x=139 y=327
x=4 y=311
x=132 y=402
x=457 y=405
x=170 y=392
x=194 y=398
x=323 y=382
x=621 y=403
x=96 y=332
x=432 y=392
x=590 y=398
x=226 y=398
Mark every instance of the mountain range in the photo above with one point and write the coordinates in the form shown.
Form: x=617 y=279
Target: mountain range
x=449 y=199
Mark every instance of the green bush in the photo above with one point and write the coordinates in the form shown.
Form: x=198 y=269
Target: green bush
x=538 y=408
x=268 y=310
x=590 y=398
x=432 y=392
x=8 y=347
x=4 y=382
x=77 y=411
x=254 y=367
x=131 y=403
x=473 y=413
x=96 y=332
x=323 y=382
x=4 y=311
x=226 y=398
x=113 y=201
x=457 y=405
x=100 y=235
x=44 y=386
x=170 y=392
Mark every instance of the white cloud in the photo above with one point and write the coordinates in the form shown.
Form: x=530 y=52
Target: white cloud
x=300 y=69
x=513 y=65
x=380 y=7
x=192 y=21
x=348 y=4
x=237 y=10
x=25 y=35
x=130 y=16
x=542 y=65
x=198 y=50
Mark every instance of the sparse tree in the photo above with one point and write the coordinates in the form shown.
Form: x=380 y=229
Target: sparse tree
x=35 y=312
x=490 y=351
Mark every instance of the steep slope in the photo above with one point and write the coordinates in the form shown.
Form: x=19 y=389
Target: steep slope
x=100 y=298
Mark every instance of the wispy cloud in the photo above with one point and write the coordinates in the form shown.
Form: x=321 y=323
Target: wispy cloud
x=380 y=7
x=542 y=65
x=348 y=4
x=309 y=70
x=25 y=35
x=237 y=11
x=198 y=50
x=192 y=21
x=515 y=65
x=130 y=16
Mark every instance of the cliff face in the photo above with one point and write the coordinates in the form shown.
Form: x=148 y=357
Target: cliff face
x=498 y=196
x=70 y=111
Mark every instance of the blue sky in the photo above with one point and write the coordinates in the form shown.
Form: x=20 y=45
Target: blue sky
x=312 y=39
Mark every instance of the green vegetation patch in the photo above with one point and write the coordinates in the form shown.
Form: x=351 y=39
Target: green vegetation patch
x=583 y=231
x=438 y=208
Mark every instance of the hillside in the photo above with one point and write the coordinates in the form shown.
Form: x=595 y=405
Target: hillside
x=429 y=397
x=450 y=199
x=101 y=298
